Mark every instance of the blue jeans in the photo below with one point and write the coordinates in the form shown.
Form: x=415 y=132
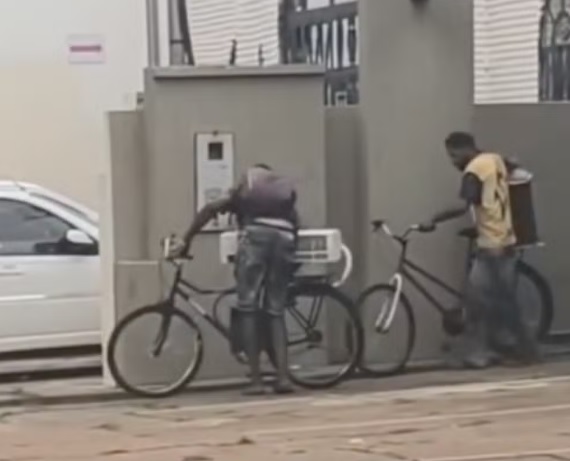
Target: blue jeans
x=492 y=308
x=265 y=260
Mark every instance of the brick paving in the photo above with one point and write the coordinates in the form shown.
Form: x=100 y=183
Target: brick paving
x=526 y=419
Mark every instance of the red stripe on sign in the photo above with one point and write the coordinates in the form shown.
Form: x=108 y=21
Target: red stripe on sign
x=85 y=48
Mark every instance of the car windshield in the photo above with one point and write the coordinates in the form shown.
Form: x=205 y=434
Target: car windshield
x=69 y=208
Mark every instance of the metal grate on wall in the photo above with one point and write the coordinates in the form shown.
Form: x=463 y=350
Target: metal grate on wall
x=554 y=51
x=325 y=34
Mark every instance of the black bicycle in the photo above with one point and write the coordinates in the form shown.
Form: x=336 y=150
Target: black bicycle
x=164 y=327
x=386 y=308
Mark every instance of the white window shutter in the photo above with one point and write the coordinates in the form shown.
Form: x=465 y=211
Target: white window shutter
x=506 y=51
x=253 y=23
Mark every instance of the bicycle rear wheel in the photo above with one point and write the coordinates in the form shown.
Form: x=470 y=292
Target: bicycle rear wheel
x=155 y=351
x=387 y=347
x=325 y=336
x=535 y=299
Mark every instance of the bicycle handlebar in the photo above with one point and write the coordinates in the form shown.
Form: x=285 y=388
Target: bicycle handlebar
x=168 y=245
x=380 y=224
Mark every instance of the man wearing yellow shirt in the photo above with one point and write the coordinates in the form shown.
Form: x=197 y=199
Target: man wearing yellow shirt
x=491 y=291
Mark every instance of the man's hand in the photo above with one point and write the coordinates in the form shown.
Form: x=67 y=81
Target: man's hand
x=177 y=248
x=428 y=226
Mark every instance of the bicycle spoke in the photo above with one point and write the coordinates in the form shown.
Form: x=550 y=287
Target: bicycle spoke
x=299 y=318
x=318 y=356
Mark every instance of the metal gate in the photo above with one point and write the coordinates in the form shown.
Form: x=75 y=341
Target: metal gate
x=326 y=35
x=554 y=51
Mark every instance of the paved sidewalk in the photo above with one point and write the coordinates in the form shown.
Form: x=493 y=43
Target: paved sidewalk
x=92 y=390
x=508 y=415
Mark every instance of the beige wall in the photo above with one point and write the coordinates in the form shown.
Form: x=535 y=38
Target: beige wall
x=48 y=137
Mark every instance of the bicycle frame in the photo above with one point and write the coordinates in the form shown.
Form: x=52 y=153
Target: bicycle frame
x=186 y=290
x=407 y=270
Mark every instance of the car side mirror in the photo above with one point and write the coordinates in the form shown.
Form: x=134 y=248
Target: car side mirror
x=78 y=237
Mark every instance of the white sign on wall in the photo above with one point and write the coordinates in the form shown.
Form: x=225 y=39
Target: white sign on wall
x=86 y=49
x=214 y=172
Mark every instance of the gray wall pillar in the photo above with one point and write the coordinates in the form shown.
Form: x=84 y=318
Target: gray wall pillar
x=277 y=117
x=537 y=134
x=416 y=87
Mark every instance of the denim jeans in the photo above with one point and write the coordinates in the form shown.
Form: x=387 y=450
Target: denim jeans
x=265 y=260
x=492 y=308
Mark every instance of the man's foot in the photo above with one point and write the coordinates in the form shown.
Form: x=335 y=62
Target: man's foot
x=480 y=363
x=523 y=360
x=283 y=388
x=254 y=390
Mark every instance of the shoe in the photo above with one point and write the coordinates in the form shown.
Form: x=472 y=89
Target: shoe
x=254 y=390
x=283 y=388
x=524 y=360
x=481 y=363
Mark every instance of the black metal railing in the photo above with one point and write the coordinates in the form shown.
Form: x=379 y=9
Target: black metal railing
x=554 y=51
x=326 y=35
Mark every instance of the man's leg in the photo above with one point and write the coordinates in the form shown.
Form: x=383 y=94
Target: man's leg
x=279 y=278
x=526 y=348
x=475 y=352
x=250 y=272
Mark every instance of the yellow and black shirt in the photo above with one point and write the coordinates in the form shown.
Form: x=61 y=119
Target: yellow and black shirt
x=485 y=187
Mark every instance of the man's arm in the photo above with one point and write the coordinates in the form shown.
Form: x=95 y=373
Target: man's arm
x=205 y=215
x=209 y=212
x=471 y=193
x=451 y=213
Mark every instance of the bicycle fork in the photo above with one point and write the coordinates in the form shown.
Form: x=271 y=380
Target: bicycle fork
x=386 y=316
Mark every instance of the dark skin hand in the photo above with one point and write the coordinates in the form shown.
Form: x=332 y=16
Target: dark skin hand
x=206 y=214
x=450 y=214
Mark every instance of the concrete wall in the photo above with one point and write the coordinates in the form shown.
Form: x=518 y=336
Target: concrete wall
x=277 y=117
x=538 y=134
x=345 y=184
x=416 y=87
x=123 y=215
x=129 y=177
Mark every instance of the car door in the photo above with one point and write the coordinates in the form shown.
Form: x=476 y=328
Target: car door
x=49 y=290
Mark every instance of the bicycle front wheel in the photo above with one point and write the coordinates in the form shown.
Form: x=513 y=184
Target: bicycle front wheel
x=389 y=330
x=324 y=334
x=155 y=351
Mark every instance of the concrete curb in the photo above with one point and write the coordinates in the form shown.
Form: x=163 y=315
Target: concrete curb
x=99 y=394
x=105 y=395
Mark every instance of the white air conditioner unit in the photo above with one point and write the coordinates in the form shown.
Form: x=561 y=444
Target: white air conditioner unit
x=316 y=249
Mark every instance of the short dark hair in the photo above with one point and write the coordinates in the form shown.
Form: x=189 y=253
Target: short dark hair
x=263 y=166
x=461 y=139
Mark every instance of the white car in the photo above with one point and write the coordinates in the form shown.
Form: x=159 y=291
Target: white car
x=49 y=270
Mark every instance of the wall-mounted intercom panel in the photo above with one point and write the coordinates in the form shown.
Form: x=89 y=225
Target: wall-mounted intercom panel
x=214 y=172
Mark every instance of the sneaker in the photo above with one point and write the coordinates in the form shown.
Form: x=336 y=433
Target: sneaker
x=283 y=388
x=254 y=390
